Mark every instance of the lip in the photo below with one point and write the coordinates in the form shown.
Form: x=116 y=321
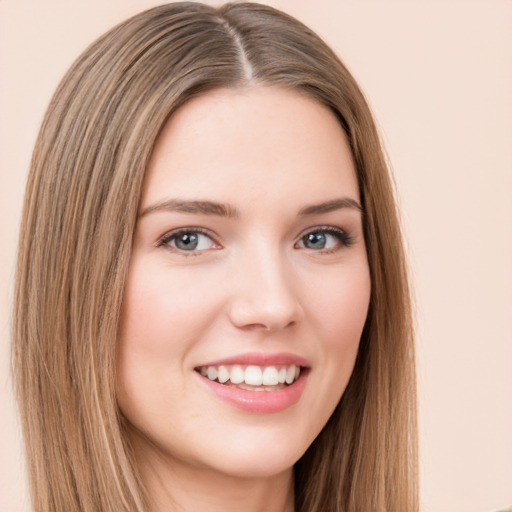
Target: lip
x=259 y=402
x=260 y=359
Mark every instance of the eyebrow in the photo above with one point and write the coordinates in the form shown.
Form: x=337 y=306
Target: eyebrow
x=227 y=210
x=330 y=206
x=197 y=207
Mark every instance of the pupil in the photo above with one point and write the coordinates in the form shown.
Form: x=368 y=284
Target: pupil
x=316 y=240
x=187 y=241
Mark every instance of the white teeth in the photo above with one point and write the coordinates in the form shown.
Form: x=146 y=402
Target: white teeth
x=270 y=376
x=237 y=375
x=290 y=374
x=253 y=376
x=223 y=374
x=211 y=373
x=266 y=378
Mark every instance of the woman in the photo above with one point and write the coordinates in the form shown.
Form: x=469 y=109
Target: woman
x=211 y=303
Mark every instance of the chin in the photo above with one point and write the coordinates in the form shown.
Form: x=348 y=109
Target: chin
x=261 y=464
x=259 y=453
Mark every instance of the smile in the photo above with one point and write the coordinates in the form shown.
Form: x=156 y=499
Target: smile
x=239 y=381
x=252 y=377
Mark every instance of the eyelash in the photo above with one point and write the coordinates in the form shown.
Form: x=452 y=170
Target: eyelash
x=172 y=235
x=343 y=237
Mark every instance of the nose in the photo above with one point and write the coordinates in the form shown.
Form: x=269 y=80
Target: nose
x=265 y=294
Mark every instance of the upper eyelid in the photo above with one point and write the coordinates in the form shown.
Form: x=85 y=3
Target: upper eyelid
x=344 y=236
x=175 y=232
x=196 y=229
x=327 y=228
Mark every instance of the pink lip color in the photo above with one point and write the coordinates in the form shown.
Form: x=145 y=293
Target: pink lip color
x=259 y=401
x=261 y=359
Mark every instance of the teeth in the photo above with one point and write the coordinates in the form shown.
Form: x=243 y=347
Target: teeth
x=290 y=374
x=211 y=373
x=253 y=376
x=223 y=374
x=270 y=376
x=237 y=375
x=263 y=377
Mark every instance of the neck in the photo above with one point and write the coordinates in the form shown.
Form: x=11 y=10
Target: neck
x=173 y=486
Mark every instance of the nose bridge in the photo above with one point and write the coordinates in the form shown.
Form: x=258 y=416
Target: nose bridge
x=264 y=294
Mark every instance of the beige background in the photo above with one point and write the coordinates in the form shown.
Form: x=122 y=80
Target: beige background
x=438 y=75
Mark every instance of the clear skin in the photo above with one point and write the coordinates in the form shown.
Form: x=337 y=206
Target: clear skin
x=253 y=283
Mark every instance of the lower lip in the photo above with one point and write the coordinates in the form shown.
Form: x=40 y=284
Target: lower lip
x=258 y=401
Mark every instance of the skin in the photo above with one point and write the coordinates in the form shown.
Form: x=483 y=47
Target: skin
x=253 y=284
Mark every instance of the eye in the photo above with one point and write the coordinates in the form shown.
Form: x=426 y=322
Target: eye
x=188 y=240
x=328 y=239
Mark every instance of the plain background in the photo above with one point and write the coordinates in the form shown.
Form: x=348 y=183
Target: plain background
x=438 y=75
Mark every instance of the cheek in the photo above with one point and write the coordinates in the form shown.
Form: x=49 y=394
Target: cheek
x=163 y=311
x=337 y=306
x=341 y=306
x=143 y=330
x=148 y=350
x=159 y=327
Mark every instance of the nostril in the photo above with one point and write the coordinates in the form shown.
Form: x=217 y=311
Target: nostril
x=265 y=317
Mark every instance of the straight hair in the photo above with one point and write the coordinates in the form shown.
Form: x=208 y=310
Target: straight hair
x=78 y=220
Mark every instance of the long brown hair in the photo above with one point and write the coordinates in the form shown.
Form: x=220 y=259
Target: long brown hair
x=78 y=219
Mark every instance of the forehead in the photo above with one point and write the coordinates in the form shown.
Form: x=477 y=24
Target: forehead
x=237 y=145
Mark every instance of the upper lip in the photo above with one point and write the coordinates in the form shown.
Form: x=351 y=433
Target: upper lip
x=261 y=359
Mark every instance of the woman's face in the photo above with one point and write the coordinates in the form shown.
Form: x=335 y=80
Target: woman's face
x=249 y=267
